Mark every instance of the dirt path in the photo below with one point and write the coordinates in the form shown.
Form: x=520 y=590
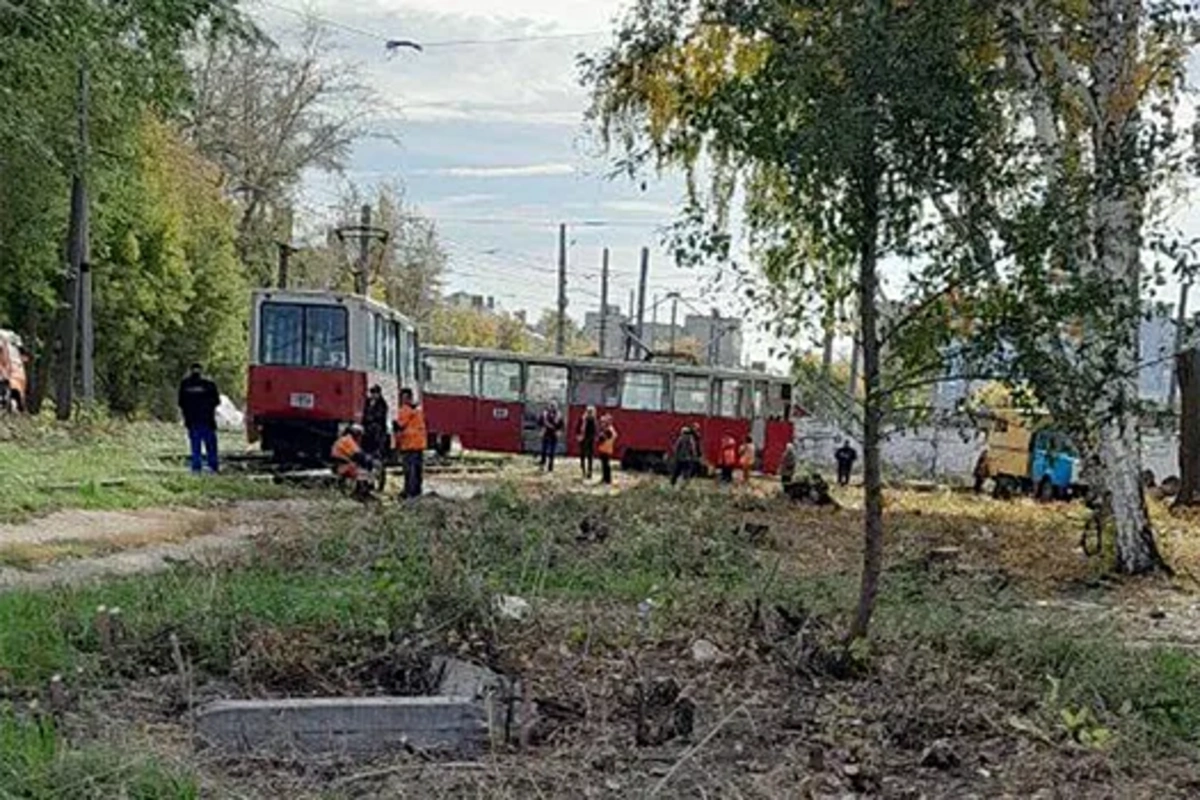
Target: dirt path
x=71 y=547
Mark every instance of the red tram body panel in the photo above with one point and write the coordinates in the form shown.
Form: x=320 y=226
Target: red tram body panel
x=492 y=400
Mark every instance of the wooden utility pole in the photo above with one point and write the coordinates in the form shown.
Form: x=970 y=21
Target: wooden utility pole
x=1180 y=326
x=1187 y=369
x=641 y=304
x=86 y=322
x=560 y=338
x=603 y=304
x=77 y=256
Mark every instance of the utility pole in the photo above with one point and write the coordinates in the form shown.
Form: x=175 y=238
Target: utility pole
x=653 y=337
x=603 y=303
x=641 y=305
x=714 y=338
x=628 y=341
x=674 y=310
x=364 y=233
x=286 y=251
x=560 y=339
x=77 y=256
x=86 y=321
x=1180 y=325
x=361 y=283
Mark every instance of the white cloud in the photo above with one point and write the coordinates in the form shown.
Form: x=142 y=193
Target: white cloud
x=517 y=171
x=458 y=200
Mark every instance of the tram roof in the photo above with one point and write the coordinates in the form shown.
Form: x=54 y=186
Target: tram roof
x=315 y=296
x=598 y=363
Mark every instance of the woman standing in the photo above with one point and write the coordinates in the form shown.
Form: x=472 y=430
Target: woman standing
x=586 y=436
x=606 y=446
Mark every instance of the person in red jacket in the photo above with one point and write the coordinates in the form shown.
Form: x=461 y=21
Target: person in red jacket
x=727 y=461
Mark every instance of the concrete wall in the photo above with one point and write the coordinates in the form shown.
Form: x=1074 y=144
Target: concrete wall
x=941 y=453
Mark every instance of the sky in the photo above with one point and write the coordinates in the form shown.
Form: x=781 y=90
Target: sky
x=492 y=147
x=488 y=140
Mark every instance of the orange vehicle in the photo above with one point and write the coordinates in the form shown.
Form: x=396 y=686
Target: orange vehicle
x=12 y=372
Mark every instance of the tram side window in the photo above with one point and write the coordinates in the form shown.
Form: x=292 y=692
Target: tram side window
x=644 y=391
x=546 y=382
x=448 y=375
x=408 y=363
x=596 y=387
x=500 y=380
x=779 y=401
x=296 y=335
x=691 y=394
x=727 y=397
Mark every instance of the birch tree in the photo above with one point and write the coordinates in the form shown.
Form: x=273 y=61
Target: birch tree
x=834 y=121
x=1092 y=90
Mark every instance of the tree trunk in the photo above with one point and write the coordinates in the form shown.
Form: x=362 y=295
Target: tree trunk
x=1118 y=200
x=868 y=287
x=1187 y=370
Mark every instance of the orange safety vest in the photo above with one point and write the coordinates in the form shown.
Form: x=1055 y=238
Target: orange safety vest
x=606 y=442
x=344 y=452
x=412 y=437
x=747 y=456
x=729 y=456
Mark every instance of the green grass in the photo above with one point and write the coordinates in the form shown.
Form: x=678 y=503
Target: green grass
x=328 y=595
x=36 y=765
x=106 y=465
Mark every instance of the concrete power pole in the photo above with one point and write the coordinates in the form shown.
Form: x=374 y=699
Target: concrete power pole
x=361 y=282
x=560 y=338
x=641 y=303
x=674 y=310
x=603 y=304
x=652 y=339
x=628 y=341
x=714 y=338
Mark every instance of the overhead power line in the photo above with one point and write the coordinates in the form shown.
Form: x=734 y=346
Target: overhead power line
x=443 y=44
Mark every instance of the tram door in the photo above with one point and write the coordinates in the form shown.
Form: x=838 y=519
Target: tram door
x=544 y=383
x=758 y=417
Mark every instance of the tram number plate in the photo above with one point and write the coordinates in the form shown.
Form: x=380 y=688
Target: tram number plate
x=500 y=413
x=302 y=400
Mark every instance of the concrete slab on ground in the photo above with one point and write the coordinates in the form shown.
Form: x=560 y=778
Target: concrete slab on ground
x=359 y=726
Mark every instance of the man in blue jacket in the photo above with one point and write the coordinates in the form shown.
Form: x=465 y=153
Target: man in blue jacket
x=198 y=401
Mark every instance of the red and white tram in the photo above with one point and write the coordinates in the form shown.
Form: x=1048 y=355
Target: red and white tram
x=492 y=400
x=313 y=355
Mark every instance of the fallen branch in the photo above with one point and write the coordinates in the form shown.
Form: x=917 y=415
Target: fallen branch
x=688 y=754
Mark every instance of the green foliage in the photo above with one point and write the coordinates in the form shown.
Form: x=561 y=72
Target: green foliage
x=159 y=231
x=35 y=764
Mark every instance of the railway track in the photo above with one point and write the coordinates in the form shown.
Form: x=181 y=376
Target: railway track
x=261 y=466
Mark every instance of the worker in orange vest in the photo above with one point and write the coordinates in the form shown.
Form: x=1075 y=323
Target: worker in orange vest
x=606 y=447
x=746 y=458
x=728 y=459
x=350 y=463
x=411 y=441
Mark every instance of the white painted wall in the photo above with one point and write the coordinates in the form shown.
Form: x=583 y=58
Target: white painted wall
x=933 y=452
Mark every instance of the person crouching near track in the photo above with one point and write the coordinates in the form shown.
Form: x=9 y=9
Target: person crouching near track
x=351 y=464
x=411 y=440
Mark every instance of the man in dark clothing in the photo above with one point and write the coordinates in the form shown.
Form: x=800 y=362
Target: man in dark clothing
x=375 y=422
x=586 y=436
x=687 y=453
x=551 y=424
x=198 y=401
x=845 y=457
